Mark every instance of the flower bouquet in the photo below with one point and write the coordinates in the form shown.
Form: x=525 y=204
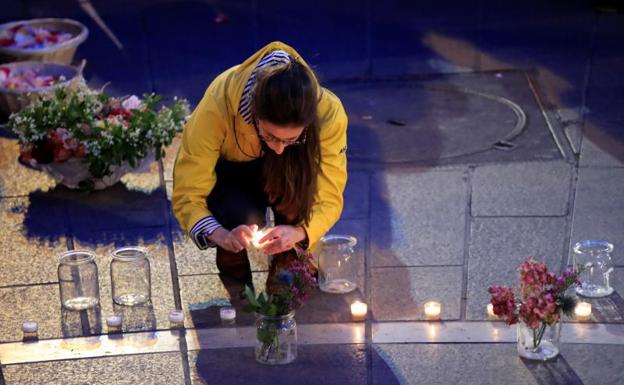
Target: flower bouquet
x=87 y=139
x=276 y=334
x=542 y=300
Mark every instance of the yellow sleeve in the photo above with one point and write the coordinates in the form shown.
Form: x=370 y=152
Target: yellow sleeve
x=194 y=173
x=332 y=178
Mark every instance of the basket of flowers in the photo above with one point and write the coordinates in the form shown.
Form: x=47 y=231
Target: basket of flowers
x=22 y=82
x=86 y=139
x=46 y=40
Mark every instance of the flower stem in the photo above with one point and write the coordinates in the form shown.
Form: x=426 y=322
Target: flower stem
x=538 y=333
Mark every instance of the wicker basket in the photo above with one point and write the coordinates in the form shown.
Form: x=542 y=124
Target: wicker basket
x=13 y=100
x=60 y=53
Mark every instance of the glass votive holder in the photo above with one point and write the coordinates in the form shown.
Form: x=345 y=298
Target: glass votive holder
x=595 y=258
x=339 y=265
x=130 y=276
x=78 y=280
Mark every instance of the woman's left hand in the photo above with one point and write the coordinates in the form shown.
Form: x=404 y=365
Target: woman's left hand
x=282 y=238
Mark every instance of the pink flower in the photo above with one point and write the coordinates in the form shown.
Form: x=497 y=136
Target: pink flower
x=504 y=303
x=534 y=276
x=131 y=103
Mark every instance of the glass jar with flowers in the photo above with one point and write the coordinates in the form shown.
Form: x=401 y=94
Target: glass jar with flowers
x=276 y=328
x=86 y=139
x=537 y=311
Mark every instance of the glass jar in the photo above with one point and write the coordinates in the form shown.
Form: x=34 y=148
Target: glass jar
x=276 y=339
x=130 y=276
x=338 y=264
x=541 y=343
x=78 y=280
x=595 y=258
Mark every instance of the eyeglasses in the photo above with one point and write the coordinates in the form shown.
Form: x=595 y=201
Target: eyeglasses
x=268 y=138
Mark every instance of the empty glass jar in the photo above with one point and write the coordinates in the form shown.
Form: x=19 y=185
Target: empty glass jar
x=78 y=280
x=338 y=265
x=595 y=258
x=130 y=276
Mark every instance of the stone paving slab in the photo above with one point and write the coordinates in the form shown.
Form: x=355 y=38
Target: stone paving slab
x=16 y=179
x=356 y=196
x=598 y=213
x=602 y=144
x=171 y=152
x=147 y=369
x=499 y=245
x=317 y=364
x=441 y=364
x=153 y=315
x=164 y=21
x=400 y=293
x=29 y=255
x=342 y=55
x=521 y=189
x=418 y=218
x=191 y=260
x=595 y=364
x=202 y=295
x=40 y=303
x=500 y=364
x=116 y=208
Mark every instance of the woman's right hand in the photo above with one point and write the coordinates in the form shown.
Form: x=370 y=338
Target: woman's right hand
x=235 y=240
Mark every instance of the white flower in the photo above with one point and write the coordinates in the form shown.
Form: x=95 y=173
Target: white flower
x=131 y=103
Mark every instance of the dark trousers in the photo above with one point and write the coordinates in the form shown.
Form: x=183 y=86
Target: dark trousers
x=238 y=198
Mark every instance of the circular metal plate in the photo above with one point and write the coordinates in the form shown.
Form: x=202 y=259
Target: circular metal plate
x=398 y=122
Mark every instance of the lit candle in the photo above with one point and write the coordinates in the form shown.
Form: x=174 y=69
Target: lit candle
x=228 y=314
x=254 y=251
x=257 y=236
x=358 y=311
x=582 y=311
x=490 y=312
x=432 y=310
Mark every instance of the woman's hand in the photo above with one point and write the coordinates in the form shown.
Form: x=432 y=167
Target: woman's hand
x=281 y=238
x=235 y=240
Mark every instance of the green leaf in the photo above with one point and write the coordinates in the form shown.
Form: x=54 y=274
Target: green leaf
x=265 y=336
x=251 y=297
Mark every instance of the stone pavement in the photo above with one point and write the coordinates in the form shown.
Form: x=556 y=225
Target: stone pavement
x=480 y=134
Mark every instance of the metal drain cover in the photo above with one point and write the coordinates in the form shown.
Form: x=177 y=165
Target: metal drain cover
x=438 y=119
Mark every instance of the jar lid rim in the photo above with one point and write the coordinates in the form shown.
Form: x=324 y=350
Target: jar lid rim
x=347 y=239
x=139 y=252
x=76 y=257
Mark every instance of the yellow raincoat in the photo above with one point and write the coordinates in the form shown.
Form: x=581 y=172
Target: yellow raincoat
x=216 y=130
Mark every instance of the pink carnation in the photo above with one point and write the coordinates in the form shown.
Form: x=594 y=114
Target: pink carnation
x=131 y=103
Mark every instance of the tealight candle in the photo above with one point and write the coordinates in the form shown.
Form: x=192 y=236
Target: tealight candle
x=30 y=329
x=114 y=323
x=582 y=311
x=490 y=312
x=176 y=319
x=358 y=311
x=257 y=236
x=254 y=251
x=228 y=314
x=432 y=310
